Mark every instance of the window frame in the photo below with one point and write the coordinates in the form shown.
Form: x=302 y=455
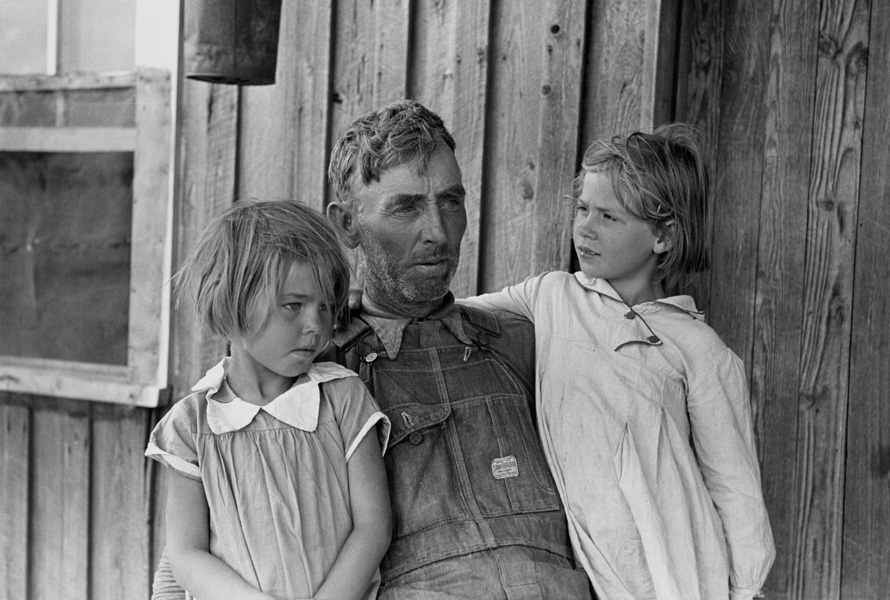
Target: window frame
x=150 y=139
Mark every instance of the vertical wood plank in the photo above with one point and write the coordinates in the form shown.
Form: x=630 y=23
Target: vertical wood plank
x=557 y=143
x=614 y=71
x=119 y=504
x=60 y=500
x=15 y=456
x=866 y=542
x=283 y=137
x=700 y=73
x=371 y=46
x=828 y=294
x=514 y=96
x=448 y=73
x=737 y=187
x=778 y=315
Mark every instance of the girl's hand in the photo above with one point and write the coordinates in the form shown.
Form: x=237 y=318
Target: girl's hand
x=188 y=547
x=371 y=534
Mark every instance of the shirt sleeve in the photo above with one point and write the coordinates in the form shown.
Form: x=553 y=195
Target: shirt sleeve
x=519 y=299
x=356 y=413
x=172 y=442
x=722 y=431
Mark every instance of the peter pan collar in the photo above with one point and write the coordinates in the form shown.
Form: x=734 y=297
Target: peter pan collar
x=604 y=288
x=298 y=406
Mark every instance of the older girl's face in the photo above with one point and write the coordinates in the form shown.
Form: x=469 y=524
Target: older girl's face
x=298 y=326
x=614 y=245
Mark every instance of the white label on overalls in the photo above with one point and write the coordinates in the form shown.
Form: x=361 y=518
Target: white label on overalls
x=504 y=467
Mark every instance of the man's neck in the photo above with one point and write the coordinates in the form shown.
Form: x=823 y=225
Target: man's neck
x=375 y=307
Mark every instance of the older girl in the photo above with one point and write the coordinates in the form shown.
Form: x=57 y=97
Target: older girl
x=643 y=411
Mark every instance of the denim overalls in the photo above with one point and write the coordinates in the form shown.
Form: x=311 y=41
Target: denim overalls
x=465 y=468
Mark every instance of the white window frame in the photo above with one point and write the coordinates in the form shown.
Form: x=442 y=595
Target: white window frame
x=141 y=380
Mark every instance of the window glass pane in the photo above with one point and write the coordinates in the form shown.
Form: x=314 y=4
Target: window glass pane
x=97 y=35
x=22 y=36
x=65 y=260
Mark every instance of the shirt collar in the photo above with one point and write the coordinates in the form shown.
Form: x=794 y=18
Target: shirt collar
x=602 y=287
x=298 y=406
x=390 y=330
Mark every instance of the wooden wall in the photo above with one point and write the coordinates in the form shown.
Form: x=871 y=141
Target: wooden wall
x=793 y=95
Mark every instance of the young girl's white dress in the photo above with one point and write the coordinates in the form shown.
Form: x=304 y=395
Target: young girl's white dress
x=645 y=420
x=274 y=476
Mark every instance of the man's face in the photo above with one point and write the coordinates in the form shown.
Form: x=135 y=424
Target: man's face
x=410 y=225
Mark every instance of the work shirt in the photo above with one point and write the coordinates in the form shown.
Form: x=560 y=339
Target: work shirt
x=465 y=468
x=645 y=420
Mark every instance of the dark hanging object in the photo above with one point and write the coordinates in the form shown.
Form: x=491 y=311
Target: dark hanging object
x=231 y=41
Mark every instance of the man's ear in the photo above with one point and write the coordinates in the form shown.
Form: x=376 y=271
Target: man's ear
x=344 y=223
x=664 y=237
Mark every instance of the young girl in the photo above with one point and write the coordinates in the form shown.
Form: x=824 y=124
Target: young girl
x=278 y=487
x=643 y=411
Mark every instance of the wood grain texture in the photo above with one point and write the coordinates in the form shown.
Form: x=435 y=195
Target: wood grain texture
x=738 y=171
x=15 y=456
x=699 y=76
x=511 y=163
x=58 y=551
x=866 y=542
x=558 y=123
x=285 y=157
x=828 y=294
x=614 y=68
x=370 y=57
x=119 y=503
x=775 y=361
x=448 y=73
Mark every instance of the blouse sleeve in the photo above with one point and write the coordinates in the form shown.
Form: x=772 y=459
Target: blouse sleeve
x=172 y=442
x=356 y=412
x=722 y=431
x=519 y=299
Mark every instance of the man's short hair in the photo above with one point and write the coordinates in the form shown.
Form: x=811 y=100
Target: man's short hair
x=381 y=139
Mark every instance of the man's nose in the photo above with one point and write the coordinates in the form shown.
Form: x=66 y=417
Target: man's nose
x=434 y=229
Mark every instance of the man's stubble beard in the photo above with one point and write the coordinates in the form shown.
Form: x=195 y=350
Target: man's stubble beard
x=387 y=286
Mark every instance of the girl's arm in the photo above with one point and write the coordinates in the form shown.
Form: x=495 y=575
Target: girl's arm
x=371 y=533
x=188 y=546
x=720 y=417
x=518 y=299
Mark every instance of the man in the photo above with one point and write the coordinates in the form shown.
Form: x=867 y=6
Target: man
x=475 y=510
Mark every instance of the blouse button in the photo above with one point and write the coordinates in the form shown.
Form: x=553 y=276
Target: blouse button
x=653 y=339
x=415 y=438
x=630 y=314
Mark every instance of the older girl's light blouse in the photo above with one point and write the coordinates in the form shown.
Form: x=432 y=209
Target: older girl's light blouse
x=274 y=476
x=645 y=420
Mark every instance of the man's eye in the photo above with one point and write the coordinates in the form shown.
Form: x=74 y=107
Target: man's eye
x=405 y=210
x=452 y=203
